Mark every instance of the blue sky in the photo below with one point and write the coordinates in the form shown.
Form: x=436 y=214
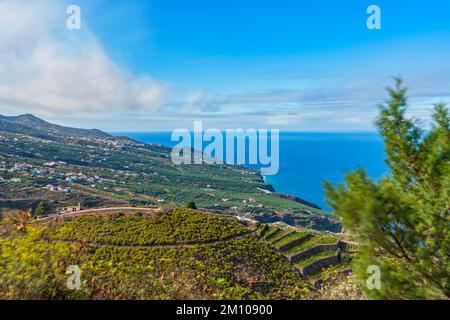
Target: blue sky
x=293 y=65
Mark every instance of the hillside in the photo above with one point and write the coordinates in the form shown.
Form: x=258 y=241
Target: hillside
x=42 y=162
x=309 y=251
x=156 y=250
x=31 y=125
x=180 y=254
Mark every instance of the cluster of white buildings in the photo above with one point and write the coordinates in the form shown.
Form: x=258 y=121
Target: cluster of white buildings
x=46 y=168
x=54 y=188
x=69 y=209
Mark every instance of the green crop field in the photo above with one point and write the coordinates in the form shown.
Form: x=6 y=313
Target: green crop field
x=312 y=242
x=179 y=226
x=279 y=236
x=118 y=172
x=316 y=257
x=201 y=265
x=290 y=238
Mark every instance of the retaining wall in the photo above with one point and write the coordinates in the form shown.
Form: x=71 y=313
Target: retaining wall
x=310 y=252
x=295 y=242
x=319 y=265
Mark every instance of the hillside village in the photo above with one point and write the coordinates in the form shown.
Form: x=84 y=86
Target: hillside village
x=49 y=179
x=60 y=166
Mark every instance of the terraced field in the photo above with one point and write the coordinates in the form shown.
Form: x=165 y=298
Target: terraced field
x=118 y=172
x=184 y=254
x=293 y=236
x=316 y=257
x=308 y=250
x=182 y=226
x=315 y=240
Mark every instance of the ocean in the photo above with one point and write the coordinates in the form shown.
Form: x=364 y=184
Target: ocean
x=307 y=159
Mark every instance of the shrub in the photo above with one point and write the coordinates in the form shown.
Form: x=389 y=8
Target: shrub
x=191 y=205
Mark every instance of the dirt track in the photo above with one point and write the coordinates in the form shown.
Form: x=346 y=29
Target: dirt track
x=101 y=211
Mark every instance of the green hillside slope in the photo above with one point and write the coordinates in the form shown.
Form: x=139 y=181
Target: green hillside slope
x=99 y=170
x=183 y=254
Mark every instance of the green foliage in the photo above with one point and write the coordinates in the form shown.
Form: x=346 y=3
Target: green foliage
x=316 y=257
x=32 y=268
x=178 y=226
x=262 y=229
x=191 y=205
x=403 y=220
x=282 y=234
x=290 y=238
x=33 y=265
x=138 y=173
x=315 y=240
x=150 y=190
x=286 y=239
x=272 y=232
x=40 y=210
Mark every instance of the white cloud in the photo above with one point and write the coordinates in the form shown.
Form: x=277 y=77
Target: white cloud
x=47 y=69
x=195 y=102
x=282 y=119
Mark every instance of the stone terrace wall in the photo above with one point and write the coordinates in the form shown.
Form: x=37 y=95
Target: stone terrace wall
x=308 y=253
x=295 y=243
x=318 y=265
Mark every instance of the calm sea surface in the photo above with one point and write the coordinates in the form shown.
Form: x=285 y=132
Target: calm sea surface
x=306 y=159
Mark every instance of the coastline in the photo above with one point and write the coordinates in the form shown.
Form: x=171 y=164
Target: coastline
x=268 y=189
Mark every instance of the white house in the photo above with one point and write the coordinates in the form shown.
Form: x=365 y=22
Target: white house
x=69 y=209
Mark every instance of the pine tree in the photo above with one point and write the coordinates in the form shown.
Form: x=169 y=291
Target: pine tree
x=191 y=205
x=403 y=221
x=40 y=210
